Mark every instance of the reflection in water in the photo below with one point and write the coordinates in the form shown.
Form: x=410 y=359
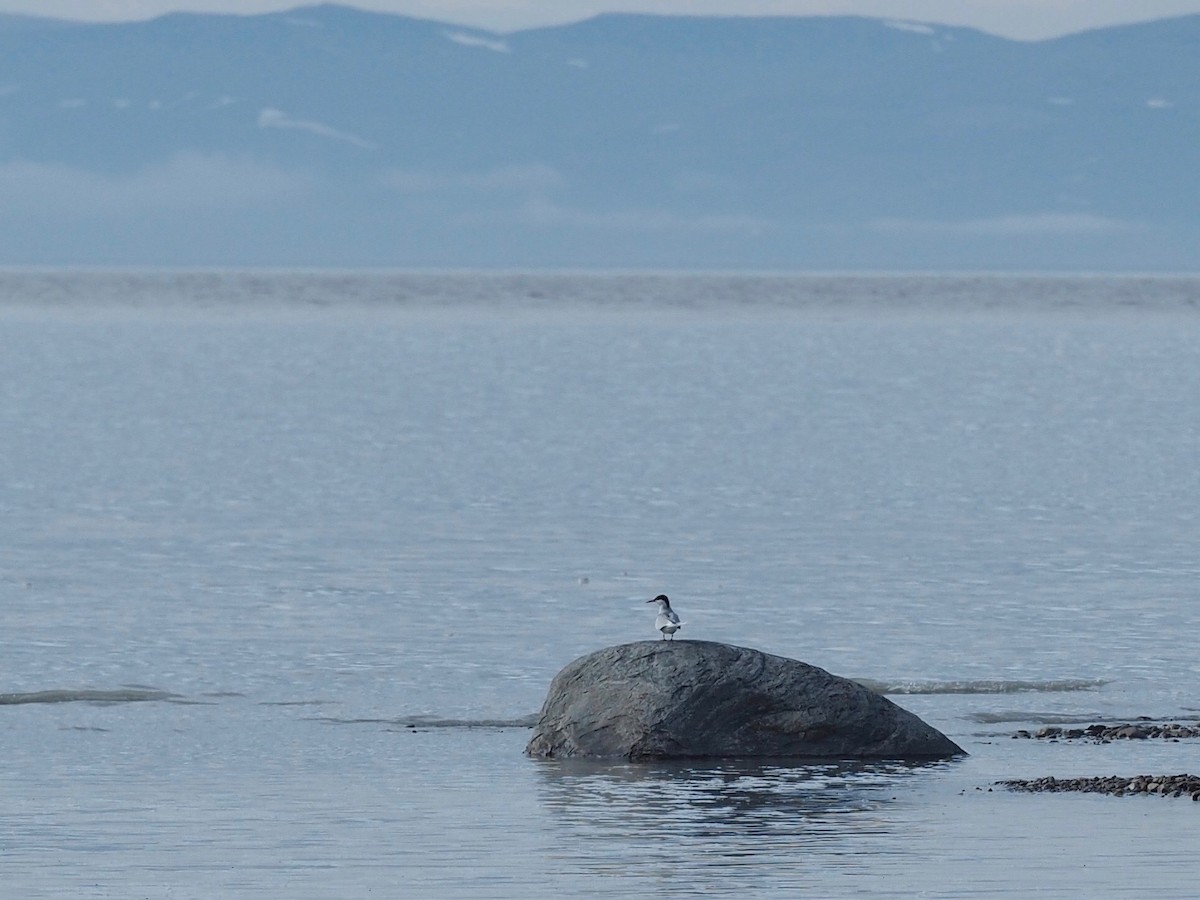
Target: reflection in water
x=723 y=814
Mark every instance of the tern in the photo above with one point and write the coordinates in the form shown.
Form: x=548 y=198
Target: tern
x=667 y=621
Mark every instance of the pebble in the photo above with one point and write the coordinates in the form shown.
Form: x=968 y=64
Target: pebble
x=1163 y=785
x=1103 y=734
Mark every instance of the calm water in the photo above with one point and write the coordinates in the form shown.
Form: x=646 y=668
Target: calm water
x=321 y=541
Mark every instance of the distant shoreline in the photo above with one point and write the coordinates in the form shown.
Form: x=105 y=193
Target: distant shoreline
x=833 y=296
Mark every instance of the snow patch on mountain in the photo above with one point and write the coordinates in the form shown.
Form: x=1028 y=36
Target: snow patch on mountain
x=274 y=118
x=475 y=40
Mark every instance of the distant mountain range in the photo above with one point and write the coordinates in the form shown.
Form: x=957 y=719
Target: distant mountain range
x=328 y=136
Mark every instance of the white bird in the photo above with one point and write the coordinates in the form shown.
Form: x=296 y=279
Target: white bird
x=667 y=621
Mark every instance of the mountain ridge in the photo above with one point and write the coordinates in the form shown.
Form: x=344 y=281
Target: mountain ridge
x=347 y=137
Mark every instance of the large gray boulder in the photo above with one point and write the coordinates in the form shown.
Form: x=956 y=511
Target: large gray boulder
x=690 y=699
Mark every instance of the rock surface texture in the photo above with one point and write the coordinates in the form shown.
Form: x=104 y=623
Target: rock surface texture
x=694 y=699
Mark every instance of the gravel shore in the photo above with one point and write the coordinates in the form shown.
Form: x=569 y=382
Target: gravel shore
x=1103 y=734
x=1162 y=785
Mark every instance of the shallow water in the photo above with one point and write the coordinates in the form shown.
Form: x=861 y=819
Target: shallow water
x=258 y=527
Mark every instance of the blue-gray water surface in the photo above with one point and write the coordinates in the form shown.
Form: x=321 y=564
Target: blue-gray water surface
x=289 y=560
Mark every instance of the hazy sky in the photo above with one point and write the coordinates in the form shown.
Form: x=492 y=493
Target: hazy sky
x=1014 y=18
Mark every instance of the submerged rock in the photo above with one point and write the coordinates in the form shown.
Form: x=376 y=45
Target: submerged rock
x=693 y=699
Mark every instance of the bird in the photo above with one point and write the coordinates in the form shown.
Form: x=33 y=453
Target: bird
x=667 y=621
